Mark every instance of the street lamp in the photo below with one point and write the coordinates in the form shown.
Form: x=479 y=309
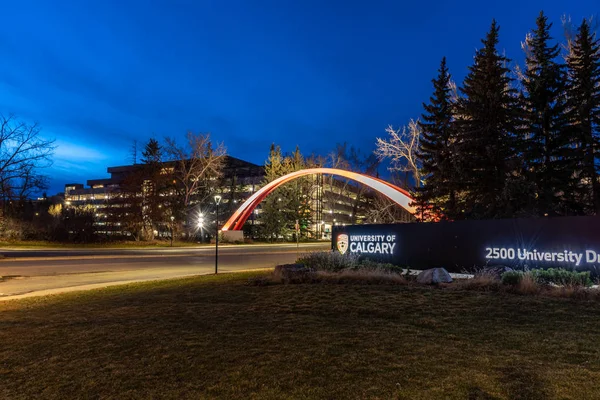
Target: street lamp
x=201 y=226
x=217 y=201
x=172 y=219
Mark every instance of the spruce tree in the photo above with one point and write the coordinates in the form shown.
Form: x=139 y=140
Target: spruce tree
x=152 y=153
x=274 y=164
x=153 y=185
x=437 y=197
x=546 y=136
x=487 y=121
x=270 y=215
x=583 y=93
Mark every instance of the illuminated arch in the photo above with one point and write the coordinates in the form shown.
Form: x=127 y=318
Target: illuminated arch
x=394 y=193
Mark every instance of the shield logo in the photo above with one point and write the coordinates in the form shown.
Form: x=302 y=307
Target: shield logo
x=342 y=243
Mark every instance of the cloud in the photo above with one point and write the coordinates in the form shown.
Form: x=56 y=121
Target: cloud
x=71 y=152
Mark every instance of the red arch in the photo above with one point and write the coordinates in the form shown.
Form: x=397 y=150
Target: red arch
x=393 y=192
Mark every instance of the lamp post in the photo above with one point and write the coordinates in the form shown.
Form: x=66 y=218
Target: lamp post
x=217 y=201
x=172 y=219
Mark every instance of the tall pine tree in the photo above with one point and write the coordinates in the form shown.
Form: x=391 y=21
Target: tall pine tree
x=270 y=214
x=546 y=136
x=487 y=121
x=152 y=153
x=437 y=197
x=297 y=194
x=584 y=113
x=152 y=186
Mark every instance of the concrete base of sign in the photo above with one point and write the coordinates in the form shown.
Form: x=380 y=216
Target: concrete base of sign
x=232 y=236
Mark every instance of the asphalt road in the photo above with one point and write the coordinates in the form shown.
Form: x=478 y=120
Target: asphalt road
x=39 y=272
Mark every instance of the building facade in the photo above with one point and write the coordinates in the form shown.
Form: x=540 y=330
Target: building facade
x=141 y=202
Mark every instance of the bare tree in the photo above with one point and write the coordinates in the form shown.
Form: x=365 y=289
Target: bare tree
x=402 y=149
x=198 y=165
x=23 y=154
x=382 y=210
x=343 y=197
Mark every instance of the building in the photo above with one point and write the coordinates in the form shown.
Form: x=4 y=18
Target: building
x=114 y=200
x=131 y=203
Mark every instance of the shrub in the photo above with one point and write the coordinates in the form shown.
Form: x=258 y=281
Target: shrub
x=329 y=261
x=365 y=263
x=560 y=276
x=512 y=277
x=551 y=276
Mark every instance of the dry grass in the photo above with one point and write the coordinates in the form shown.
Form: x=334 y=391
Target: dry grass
x=571 y=292
x=357 y=276
x=527 y=285
x=362 y=276
x=480 y=282
x=218 y=337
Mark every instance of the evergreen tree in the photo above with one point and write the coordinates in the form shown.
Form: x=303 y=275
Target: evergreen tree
x=274 y=164
x=583 y=103
x=288 y=203
x=296 y=194
x=270 y=215
x=546 y=137
x=437 y=197
x=487 y=120
x=152 y=153
x=153 y=184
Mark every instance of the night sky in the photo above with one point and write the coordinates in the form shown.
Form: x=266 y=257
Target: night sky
x=99 y=74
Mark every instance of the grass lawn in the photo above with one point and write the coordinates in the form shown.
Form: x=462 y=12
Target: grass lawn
x=217 y=337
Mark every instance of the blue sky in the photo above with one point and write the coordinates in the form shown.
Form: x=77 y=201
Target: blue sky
x=98 y=74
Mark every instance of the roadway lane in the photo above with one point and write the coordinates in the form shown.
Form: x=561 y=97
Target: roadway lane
x=161 y=251
x=98 y=268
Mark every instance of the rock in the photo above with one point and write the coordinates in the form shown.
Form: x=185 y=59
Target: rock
x=434 y=276
x=494 y=272
x=293 y=273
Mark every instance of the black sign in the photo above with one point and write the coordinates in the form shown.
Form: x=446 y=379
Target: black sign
x=566 y=242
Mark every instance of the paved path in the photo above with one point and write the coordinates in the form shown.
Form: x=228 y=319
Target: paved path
x=39 y=272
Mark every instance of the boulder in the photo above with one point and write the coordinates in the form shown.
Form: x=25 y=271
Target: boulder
x=494 y=272
x=292 y=272
x=434 y=276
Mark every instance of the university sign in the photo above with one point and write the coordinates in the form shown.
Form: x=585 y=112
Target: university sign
x=367 y=244
x=342 y=243
x=540 y=257
x=565 y=242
